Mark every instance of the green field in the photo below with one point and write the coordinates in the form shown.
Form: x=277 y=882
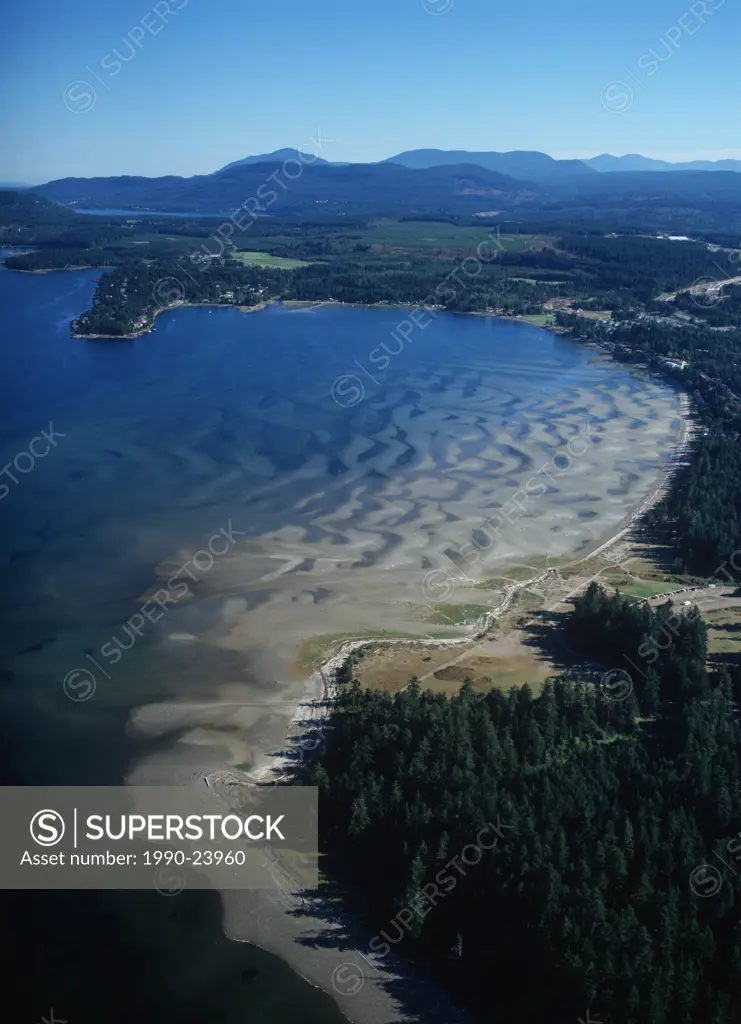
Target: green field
x=457 y=614
x=264 y=259
x=724 y=631
x=642 y=589
x=540 y=319
x=316 y=649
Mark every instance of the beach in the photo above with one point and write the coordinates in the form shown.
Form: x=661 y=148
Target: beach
x=378 y=592
x=483 y=443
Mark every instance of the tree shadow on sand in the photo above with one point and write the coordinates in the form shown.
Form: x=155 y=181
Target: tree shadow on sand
x=545 y=636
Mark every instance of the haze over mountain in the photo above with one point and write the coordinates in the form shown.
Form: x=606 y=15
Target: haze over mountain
x=321 y=187
x=540 y=167
x=528 y=165
x=654 y=200
x=636 y=162
x=278 y=156
x=518 y=163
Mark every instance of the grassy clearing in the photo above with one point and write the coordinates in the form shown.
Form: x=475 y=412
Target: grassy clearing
x=594 y=314
x=540 y=319
x=316 y=649
x=457 y=614
x=723 y=644
x=629 y=585
x=264 y=259
x=639 y=589
x=724 y=630
x=526 y=601
x=515 y=573
x=391 y=670
x=646 y=569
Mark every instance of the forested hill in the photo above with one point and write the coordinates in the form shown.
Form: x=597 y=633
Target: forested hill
x=295 y=187
x=23 y=213
x=679 y=201
x=550 y=856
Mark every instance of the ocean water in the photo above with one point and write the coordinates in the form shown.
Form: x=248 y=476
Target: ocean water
x=350 y=457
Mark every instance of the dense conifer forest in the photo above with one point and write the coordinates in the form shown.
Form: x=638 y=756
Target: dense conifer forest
x=575 y=851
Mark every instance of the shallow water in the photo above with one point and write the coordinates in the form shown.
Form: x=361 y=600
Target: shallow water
x=346 y=471
x=343 y=463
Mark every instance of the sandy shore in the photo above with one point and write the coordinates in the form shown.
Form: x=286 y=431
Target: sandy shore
x=351 y=957
x=285 y=586
x=321 y=689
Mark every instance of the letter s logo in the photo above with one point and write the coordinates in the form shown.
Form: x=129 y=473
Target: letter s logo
x=47 y=828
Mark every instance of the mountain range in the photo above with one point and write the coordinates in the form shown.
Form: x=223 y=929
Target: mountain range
x=527 y=164
x=318 y=188
x=635 y=162
x=432 y=183
x=540 y=166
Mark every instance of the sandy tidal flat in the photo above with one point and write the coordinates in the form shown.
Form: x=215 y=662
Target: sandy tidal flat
x=344 y=514
x=548 y=476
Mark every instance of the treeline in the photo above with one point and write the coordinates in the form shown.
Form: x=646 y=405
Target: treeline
x=661 y=652
x=135 y=289
x=701 y=515
x=721 y=309
x=702 y=511
x=58 y=259
x=714 y=370
x=605 y=805
x=417 y=280
x=645 y=266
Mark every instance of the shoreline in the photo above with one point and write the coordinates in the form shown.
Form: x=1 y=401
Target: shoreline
x=321 y=687
x=274 y=924
x=270 y=921
x=300 y=304
x=53 y=270
x=157 y=312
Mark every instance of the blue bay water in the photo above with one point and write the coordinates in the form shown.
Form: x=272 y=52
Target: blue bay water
x=213 y=414
x=267 y=420
x=271 y=419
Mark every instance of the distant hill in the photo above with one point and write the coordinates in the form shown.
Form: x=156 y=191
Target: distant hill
x=635 y=162
x=25 y=207
x=13 y=184
x=650 y=200
x=26 y=218
x=531 y=166
x=278 y=156
x=528 y=165
x=321 y=188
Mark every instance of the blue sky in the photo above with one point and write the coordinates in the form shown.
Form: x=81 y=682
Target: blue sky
x=195 y=84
